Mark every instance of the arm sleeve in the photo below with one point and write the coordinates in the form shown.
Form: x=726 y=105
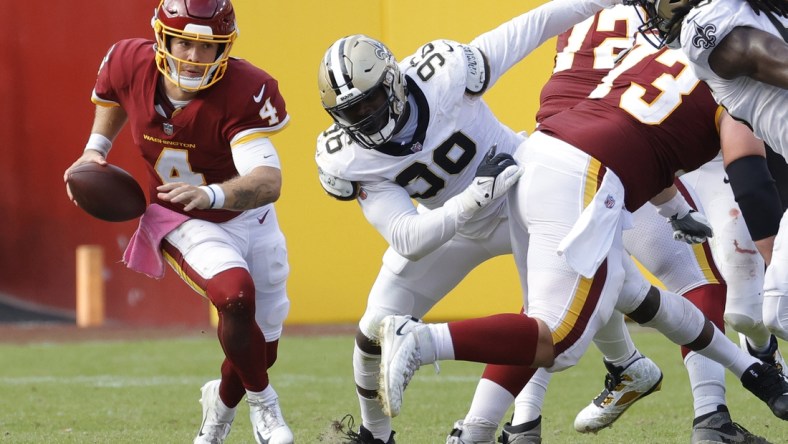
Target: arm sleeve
x=411 y=234
x=755 y=192
x=510 y=42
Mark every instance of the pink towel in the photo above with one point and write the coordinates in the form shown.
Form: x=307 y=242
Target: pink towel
x=143 y=254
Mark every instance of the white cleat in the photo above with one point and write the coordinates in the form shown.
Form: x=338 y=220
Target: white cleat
x=214 y=428
x=268 y=424
x=405 y=344
x=474 y=431
x=623 y=387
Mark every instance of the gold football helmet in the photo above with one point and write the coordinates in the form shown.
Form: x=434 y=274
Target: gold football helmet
x=363 y=89
x=664 y=17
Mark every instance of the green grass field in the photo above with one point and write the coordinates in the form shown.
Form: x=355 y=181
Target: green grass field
x=147 y=391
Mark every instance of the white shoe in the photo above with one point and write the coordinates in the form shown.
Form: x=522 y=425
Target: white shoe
x=405 y=344
x=623 y=387
x=476 y=431
x=268 y=424
x=215 y=427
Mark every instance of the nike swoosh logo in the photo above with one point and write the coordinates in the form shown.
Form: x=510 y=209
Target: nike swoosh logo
x=693 y=16
x=262 y=440
x=262 y=219
x=399 y=330
x=726 y=180
x=482 y=182
x=259 y=97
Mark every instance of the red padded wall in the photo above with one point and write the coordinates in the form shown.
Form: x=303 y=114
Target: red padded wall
x=49 y=59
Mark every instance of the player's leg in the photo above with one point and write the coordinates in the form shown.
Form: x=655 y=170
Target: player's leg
x=412 y=288
x=738 y=260
x=209 y=260
x=775 y=310
x=684 y=324
x=268 y=264
x=564 y=309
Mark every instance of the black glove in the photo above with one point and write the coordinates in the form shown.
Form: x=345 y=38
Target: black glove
x=494 y=176
x=693 y=228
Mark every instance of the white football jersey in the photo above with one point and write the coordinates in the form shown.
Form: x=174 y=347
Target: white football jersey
x=763 y=106
x=449 y=132
x=453 y=133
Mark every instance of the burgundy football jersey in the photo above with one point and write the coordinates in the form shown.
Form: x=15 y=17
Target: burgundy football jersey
x=193 y=144
x=650 y=118
x=584 y=54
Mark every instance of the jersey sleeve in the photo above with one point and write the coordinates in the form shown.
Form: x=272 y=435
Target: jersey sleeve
x=708 y=24
x=112 y=75
x=510 y=42
x=412 y=234
x=262 y=107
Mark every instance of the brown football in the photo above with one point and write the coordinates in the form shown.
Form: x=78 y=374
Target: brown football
x=106 y=192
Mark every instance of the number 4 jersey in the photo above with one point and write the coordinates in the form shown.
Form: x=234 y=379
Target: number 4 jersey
x=191 y=144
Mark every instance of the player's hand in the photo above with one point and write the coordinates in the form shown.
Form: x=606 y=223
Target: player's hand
x=777 y=7
x=693 y=228
x=87 y=156
x=494 y=176
x=190 y=196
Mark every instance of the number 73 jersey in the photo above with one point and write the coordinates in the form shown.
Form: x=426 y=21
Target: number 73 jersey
x=454 y=129
x=649 y=118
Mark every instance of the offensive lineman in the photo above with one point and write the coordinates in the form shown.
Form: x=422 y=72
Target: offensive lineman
x=585 y=53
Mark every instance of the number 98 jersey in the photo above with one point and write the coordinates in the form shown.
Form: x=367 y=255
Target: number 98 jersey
x=449 y=131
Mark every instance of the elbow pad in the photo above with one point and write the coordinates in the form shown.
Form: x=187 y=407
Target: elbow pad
x=337 y=187
x=477 y=76
x=757 y=196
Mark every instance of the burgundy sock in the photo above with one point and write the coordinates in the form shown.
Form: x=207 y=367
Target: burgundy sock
x=506 y=339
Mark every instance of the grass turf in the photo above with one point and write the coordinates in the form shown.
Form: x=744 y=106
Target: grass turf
x=147 y=391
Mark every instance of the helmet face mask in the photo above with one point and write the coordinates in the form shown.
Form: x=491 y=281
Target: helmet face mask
x=362 y=88
x=662 y=24
x=198 y=21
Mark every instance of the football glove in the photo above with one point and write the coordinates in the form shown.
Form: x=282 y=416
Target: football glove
x=692 y=228
x=494 y=176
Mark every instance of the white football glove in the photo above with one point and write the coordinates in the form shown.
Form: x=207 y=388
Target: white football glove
x=494 y=176
x=692 y=228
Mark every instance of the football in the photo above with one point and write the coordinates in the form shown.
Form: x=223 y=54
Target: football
x=106 y=192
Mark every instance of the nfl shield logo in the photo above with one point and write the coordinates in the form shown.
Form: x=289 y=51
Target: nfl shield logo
x=167 y=128
x=609 y=201
x=416 y=147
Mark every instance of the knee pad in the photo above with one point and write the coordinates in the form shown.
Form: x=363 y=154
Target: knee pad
x=232 y=292
x=742 y=323
x=775 y=315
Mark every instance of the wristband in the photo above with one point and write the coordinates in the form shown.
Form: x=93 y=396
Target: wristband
x=676 y=206
x=218 y=195
x=215 y=195
x=98 y=142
